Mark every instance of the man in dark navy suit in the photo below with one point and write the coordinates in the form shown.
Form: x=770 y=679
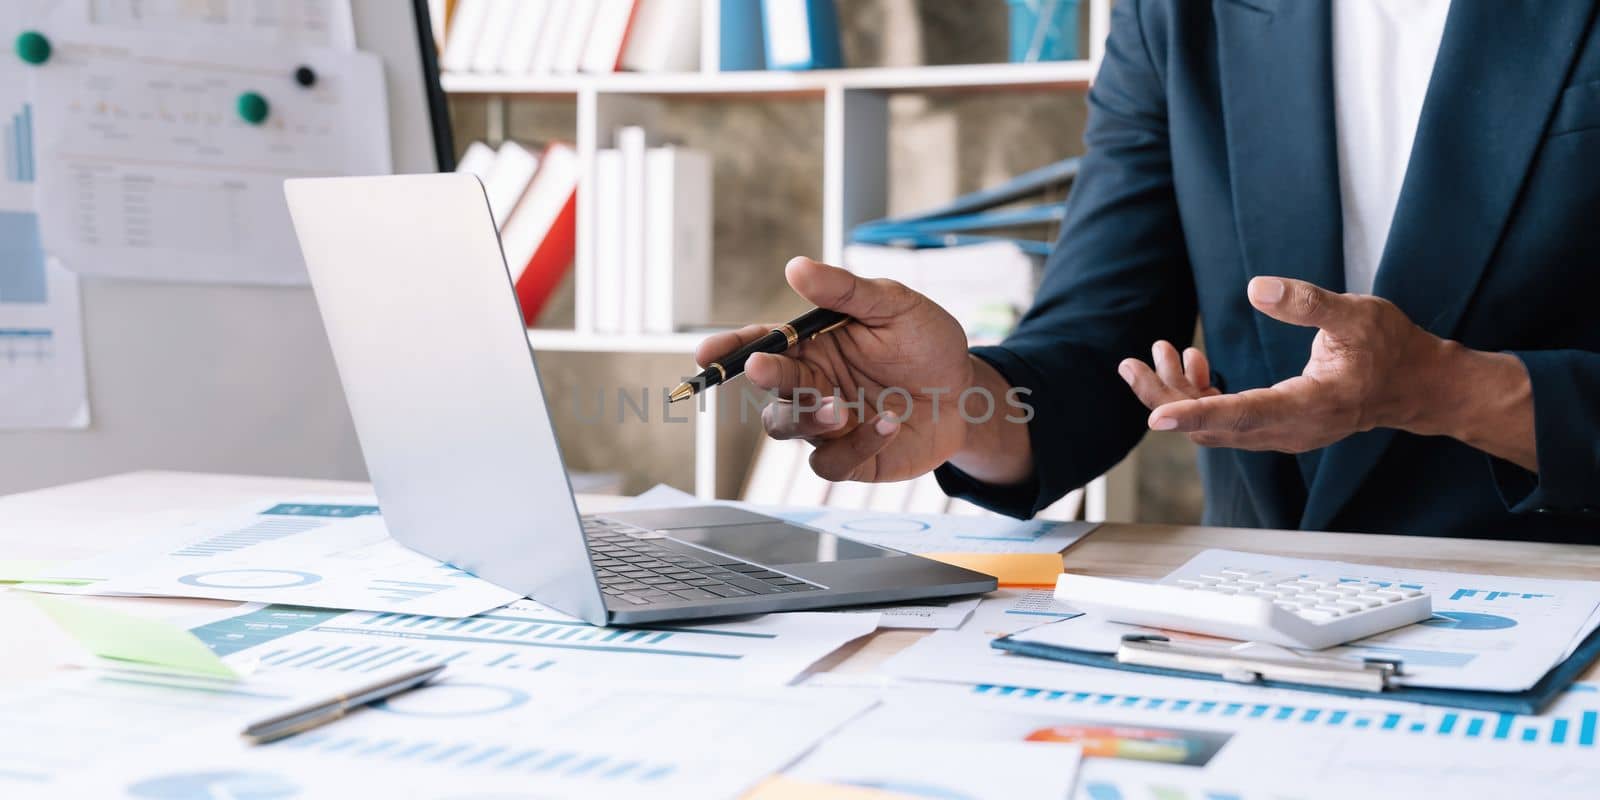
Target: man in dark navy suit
x=1384 y=213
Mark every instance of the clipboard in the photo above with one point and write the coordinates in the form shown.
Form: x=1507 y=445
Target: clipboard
x=1154 y=655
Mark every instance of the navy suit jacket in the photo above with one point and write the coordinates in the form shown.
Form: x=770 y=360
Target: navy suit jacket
x=1211 y=159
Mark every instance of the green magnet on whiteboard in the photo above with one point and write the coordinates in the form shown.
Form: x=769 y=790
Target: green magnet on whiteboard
x=253 y=108
x=33 y=47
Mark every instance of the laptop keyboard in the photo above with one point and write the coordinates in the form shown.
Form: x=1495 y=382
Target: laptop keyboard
x=641 y=572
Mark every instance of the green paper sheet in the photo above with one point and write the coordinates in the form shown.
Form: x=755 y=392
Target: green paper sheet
x=139 y=640
x=28 y=571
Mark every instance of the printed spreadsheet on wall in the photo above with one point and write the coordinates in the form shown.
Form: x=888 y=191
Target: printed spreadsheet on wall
x=42 y=382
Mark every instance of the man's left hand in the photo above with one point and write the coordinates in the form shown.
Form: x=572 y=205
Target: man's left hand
x=1370 y=367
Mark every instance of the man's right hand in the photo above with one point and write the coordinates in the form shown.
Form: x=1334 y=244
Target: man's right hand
x=901 y=345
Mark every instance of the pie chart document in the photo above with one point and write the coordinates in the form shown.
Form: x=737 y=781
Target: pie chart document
x=329 y=552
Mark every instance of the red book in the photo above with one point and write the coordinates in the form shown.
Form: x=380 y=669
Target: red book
x=540 y=237
x=608 y=36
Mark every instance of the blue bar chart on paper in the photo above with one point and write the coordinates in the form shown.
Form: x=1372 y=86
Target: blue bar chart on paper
x=526 y=637
x=375 y=642
x=605 y=769
x=19 y=145
x=22 y=261
x=1577 y=728
x=316 y=552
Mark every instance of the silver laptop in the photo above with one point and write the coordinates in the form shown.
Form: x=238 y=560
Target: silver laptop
x=452 y=419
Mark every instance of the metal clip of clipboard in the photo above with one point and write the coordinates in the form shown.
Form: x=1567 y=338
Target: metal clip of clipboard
x=1250 y=662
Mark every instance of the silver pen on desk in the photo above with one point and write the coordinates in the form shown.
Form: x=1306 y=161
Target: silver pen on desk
x=304 y=718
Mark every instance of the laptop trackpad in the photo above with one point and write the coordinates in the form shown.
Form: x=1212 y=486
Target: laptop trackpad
x=777 y=543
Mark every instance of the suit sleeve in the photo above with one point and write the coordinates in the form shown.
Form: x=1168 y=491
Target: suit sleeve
x=1117 y=280
x=1566 y=430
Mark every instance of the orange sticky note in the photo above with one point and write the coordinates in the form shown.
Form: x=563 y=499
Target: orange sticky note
x=779 y=787
x=1011 y=569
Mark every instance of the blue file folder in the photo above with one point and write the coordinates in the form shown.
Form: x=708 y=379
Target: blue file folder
x=1531 y=701
x=819 y=28
x=955 y=222
x=742 y=45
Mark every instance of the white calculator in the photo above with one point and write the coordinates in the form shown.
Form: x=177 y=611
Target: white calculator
x=1304 y=611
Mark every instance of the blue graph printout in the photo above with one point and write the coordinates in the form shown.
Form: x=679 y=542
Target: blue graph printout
x=321 y=552
x=22 y=261
x=527 y=637
x=1571 y=725
x=1488 y=632
x=478 y=733
x=56 y=728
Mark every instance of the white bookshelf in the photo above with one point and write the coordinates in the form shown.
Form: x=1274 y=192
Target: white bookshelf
x=855 y=109
x=816 y=83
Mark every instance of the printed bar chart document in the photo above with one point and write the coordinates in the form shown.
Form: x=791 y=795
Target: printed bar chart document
x=322 y=552
x=1488 y=632
x=52 y=730
x=509 y=735
x=42 y=376
x=1243 y=738
x=528 y=637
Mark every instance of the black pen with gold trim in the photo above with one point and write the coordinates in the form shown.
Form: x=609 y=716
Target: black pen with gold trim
x=807 y=326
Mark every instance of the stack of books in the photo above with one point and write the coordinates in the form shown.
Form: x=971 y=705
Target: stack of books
x=652 y=239
x=532 y=196
x=563 y=37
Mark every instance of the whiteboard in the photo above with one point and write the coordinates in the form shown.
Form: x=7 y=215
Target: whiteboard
x=230 y=378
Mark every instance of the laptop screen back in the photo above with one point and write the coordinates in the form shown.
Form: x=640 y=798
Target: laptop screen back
x=440 y=380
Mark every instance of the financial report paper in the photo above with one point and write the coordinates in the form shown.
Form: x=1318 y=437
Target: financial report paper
x=148 y=170
x=509 y=734
x=528 y=637
x=52 y=730
x=325 y=552
x=42 y=367
x=1247 y=738
x=1488 y=632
